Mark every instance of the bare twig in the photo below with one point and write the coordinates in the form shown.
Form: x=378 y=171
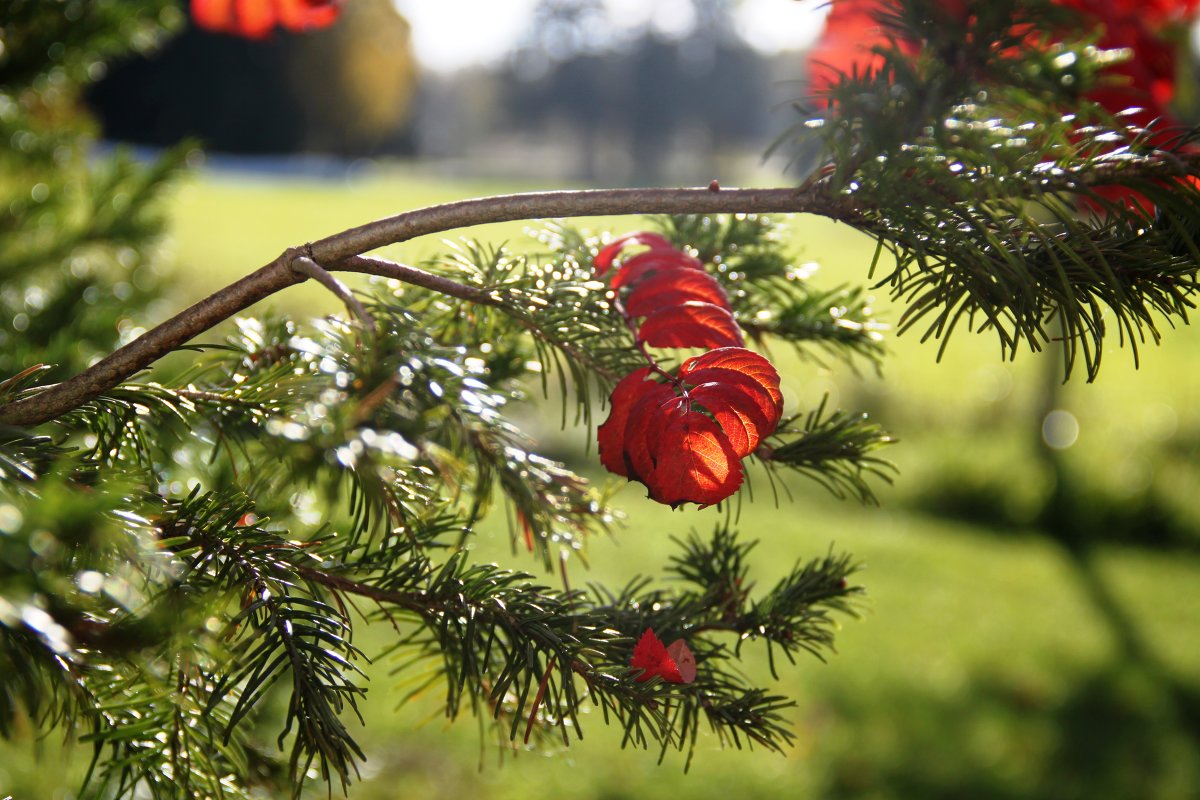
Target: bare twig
x=306 y=266
x=370 y=265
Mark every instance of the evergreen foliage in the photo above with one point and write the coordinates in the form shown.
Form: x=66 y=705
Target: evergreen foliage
x=187 y=550
x=970 y=162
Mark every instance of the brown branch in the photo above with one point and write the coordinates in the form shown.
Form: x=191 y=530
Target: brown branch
x=306 y=266
x=416 y=602
x=589 y=203
x=342 y=252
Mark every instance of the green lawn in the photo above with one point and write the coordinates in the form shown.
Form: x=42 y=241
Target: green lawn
x=983 y=666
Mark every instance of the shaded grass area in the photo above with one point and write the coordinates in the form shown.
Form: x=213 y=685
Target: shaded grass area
x=986 y=666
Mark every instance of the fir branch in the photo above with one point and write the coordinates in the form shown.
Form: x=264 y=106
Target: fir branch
x=283 y=628
x=42 y=681
x=23 y=456
x=993 y=174
x=162 y=735
x=520 y=647
x=835 y=450
x=771 y=296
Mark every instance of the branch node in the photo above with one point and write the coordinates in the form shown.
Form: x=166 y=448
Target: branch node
x=304 y=265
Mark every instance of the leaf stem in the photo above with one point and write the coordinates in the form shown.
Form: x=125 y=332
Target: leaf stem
x=306 y=266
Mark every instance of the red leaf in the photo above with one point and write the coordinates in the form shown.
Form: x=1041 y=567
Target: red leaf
x=611 y=434
x=255 y=19
x=212 y=15
x=739 y=360
x=695 y=463
x=741 y=407
x=650 y=656
x=671 y=444
x=653 y=262
x=672 y=287
x=691 y=324
x=647 y=420
x=604 y=259
x=685 y=662
x=684 y=438
x=299 y=16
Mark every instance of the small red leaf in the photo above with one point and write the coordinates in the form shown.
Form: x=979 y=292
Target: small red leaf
x=611 y=434
x=672 y=287
x=650 y=656
x=681 y=654
x=695 y=463
x=653 y=262
x=691 y=324
x=742 y=361
x=604 y=259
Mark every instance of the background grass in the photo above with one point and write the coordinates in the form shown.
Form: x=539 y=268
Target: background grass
x=992 y=660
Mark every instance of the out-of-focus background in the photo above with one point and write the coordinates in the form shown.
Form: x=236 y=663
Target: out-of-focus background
x=1034 y=573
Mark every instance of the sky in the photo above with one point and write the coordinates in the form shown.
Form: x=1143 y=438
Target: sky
x=452 y=34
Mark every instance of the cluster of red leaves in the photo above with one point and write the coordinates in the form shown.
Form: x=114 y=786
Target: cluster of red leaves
x=674 y=663
x=1147 y=27
x=256 y=19
x=683 y=435
x=1146 y=81
x=848 y=41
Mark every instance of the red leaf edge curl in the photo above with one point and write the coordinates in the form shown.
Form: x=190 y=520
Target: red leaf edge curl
x=742 y=361
x=672 y=287
x=691 y=324
x=604 y=258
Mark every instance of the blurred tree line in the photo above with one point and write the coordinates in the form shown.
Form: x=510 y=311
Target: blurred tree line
x=632 y=105
x=347 y=90
x=571 y=102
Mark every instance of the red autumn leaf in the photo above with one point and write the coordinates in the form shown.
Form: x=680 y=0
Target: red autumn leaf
x=684 y=438
x=255 y=19
x=695 y=463
x=651 y=656
x=685 y=662
x=736 y=387
x=611 y=434
x=740 y=406
x=647 y=420
x=740 y=360
x=691 y=324
x=852 y=31
x=306 y=15
x=653 y=262
x=672 y=287
x=604 y=259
